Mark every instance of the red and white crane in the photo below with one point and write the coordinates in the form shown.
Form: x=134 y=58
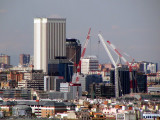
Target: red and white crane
x=76 y=82
x=118 y=53
x=129 y=65
x=82 y=55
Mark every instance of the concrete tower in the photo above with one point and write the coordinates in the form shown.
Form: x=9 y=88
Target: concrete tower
x=49 y=41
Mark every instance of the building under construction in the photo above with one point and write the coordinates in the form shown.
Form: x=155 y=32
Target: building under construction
x=73 y=52
x=101 y=90
x=123 y=80
x=139 y=81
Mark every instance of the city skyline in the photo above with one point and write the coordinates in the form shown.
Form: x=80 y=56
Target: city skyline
x=133 y=26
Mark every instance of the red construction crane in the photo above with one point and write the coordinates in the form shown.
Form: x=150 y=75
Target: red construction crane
x=129 y=65
x=82 y=55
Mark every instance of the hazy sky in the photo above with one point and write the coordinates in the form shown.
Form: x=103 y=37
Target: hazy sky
x=132 y=25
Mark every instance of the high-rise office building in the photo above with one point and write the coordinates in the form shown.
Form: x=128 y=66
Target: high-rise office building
x=73 y=52
x=24 y=59
x=5 y=59
x=49 y=41
x=89 y=63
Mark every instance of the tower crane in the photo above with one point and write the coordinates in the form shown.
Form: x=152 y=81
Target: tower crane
x=79 y=64
x=114 y=63
x=82 y=55
x=129 y=65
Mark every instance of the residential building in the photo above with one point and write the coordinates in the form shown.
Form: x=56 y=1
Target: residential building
x=5 y=59
x=153 y=78
x=6 y=106
x=153 y=89
x=9 y=84
x=22 y=84
x=3 y=76
x=14 y=75
x=47 y=108
x=146 y=67
x=16 y=93
x=32 y=79
x=37 y=80
x=21 y=110
x=24 y=59
x=37 y=84
x=22 y=68
x=126 y=116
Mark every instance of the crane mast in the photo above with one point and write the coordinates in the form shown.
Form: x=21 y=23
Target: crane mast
x=107 y=50
x=130 y=66
x=114 y=63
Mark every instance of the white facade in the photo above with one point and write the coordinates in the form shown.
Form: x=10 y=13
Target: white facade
x=89 y=63
x=27 y=76
x=22 y=84
x=64 y=87
x=49 y=41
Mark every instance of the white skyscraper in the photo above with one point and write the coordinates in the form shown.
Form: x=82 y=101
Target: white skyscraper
x=49 y=41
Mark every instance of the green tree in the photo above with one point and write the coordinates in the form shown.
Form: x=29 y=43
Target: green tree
x=48 y=115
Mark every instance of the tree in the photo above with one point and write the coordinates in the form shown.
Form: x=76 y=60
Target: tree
x=48 y=115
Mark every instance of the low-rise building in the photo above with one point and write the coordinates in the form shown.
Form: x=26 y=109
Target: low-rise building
x=126 y=116
x=16 y=93
x=6 y=106
x=14 y=75
x=21 y=111
x=48 y=108
x=9 y=84
x=154 y=89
